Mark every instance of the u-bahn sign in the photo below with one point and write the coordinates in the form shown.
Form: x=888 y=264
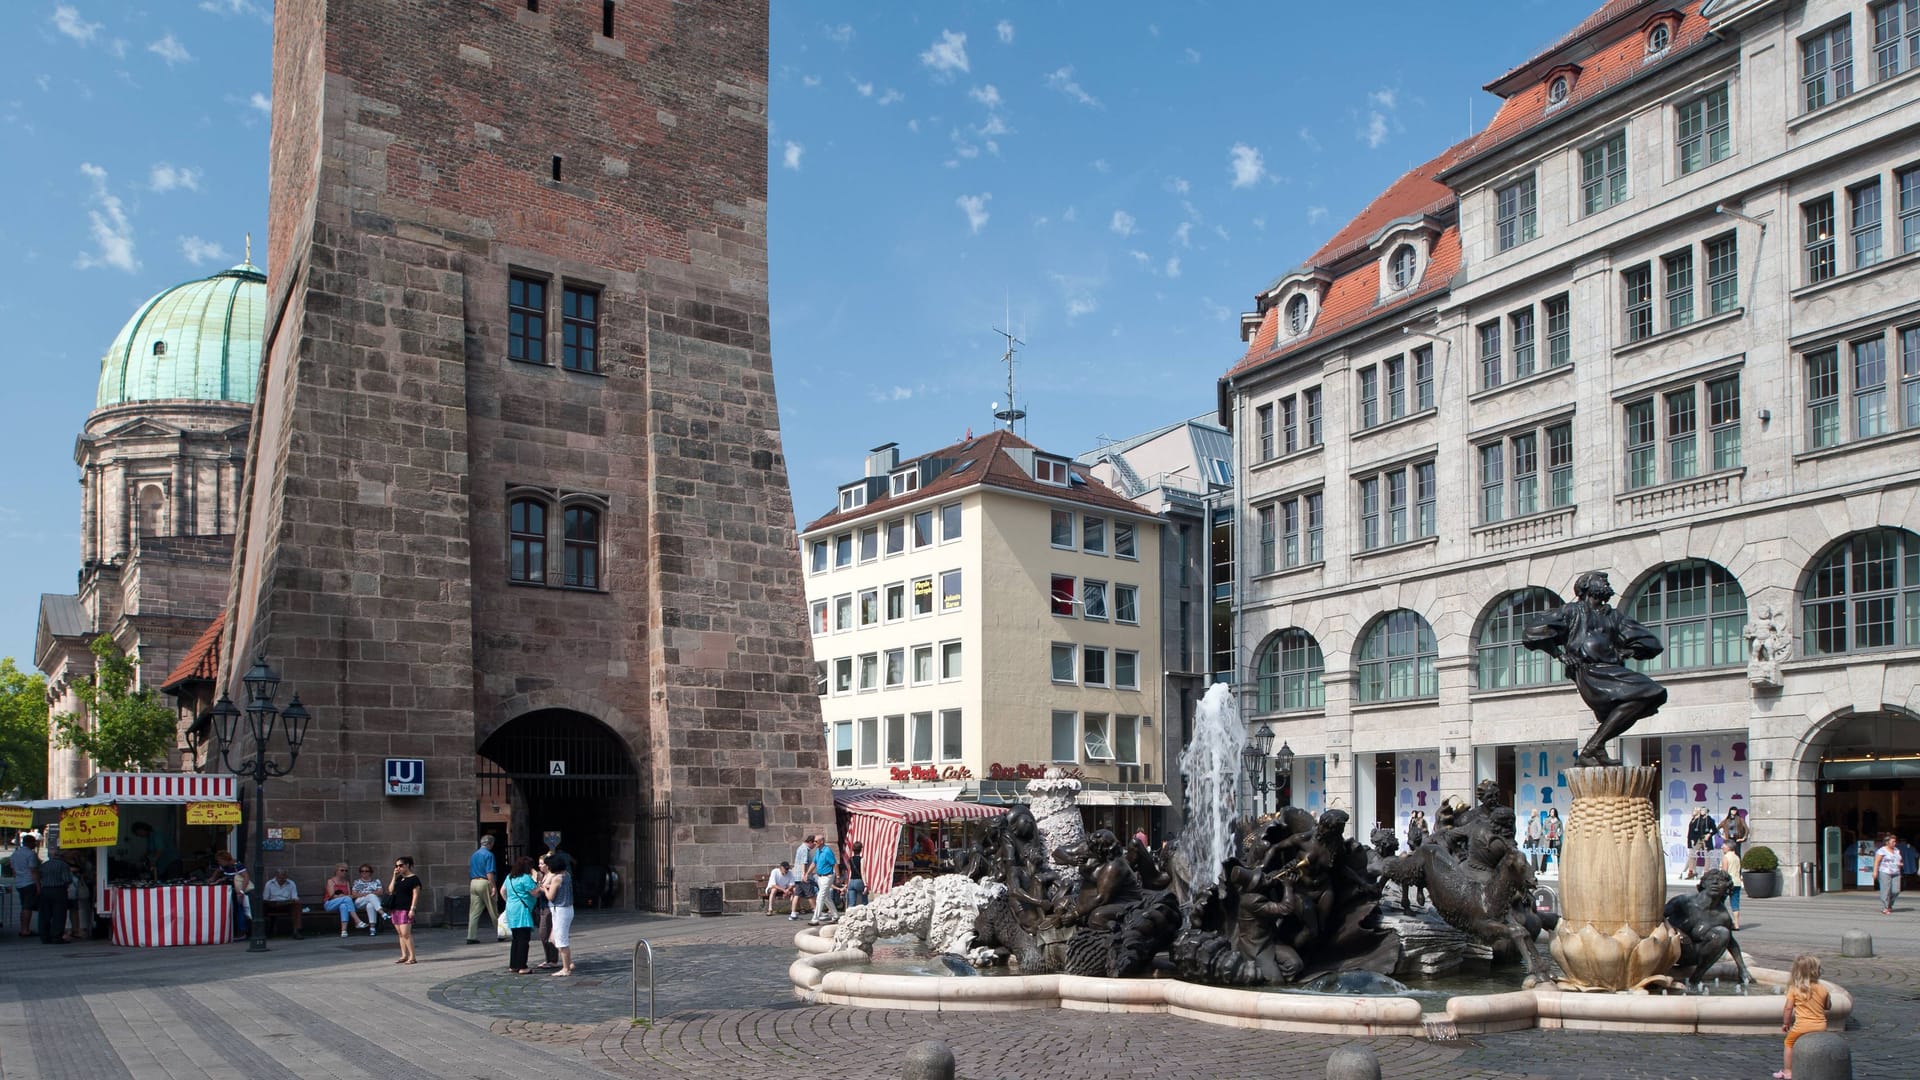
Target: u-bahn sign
x=406 y=776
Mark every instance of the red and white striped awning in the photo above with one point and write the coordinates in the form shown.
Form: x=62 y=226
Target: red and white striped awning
x=874 y=817
x=133 y=787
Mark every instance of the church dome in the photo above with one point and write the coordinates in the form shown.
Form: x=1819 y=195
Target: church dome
x=199 y=341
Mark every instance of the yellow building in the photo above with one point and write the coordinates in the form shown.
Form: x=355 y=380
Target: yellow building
x=984 y=612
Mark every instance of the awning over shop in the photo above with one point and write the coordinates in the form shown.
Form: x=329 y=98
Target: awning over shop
x=1100 y=797
x=874 y=817
x=153 y=788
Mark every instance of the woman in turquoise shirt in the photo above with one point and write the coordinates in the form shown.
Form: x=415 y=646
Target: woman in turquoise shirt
x=519 y=892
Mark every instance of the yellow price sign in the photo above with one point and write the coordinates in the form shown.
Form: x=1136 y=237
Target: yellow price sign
x=15 y=817
x=213 y=813
x=90 y=826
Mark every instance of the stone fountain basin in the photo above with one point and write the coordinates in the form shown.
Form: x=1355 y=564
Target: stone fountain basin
x=818 y=978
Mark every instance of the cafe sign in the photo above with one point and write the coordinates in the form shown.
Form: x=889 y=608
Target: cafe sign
x=213 y=813
x=997 y=771
x=90 y=826
x=930 y=772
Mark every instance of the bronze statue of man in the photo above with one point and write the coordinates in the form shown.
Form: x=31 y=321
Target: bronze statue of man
x=1593 y=642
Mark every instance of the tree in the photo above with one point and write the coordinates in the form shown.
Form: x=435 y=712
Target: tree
x=23 y=732
x=122 y=728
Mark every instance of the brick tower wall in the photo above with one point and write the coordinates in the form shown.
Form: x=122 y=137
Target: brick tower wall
x=412 y=174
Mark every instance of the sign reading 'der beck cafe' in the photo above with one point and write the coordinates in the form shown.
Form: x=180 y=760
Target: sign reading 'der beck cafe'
x=406 y=776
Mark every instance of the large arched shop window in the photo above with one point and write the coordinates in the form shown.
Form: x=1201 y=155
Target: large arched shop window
x=1501 y=661
x=527 y=540
x=582 y=551
x=1697 y=610
x=1396 y=658
x=1864 y=593
x=1290 y=670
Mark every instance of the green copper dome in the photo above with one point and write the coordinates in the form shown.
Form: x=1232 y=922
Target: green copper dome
x=195 y=342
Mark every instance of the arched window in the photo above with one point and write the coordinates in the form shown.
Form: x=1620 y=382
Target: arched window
x=527 y=540
x=1396 y=659
x=582 y=549
x=1297 y=315
x=1696 y=609
x=1658 y=38
x=153 y=511
x=1557 y=90
x=1402 y=266
x=1502 y=660
x=1289 y=669
x=1864 y=594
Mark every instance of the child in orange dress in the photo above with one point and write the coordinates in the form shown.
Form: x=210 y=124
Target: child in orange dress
x=1806 y=1009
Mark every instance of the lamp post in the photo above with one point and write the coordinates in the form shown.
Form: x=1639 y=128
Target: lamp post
x=1253 y=761
x=263 y=715
x=1283 y=772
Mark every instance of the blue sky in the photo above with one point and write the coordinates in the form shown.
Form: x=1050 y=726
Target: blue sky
x=1112 y=182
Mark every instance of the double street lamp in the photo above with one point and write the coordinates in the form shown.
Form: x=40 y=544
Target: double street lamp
x=1253 y=762
x=263 y=715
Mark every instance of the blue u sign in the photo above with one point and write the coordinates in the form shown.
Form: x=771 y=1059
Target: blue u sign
x=406 y=776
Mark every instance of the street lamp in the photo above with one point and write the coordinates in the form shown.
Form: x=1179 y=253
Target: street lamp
x=263 y=715
x=1253 y=761
x=1283 y=771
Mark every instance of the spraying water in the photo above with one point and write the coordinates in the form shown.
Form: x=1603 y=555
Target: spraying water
x=1211 y=764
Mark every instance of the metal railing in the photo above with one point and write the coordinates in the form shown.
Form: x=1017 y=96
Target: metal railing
x=637 y=946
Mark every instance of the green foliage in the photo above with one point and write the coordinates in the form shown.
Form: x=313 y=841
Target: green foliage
x=23 y=732
x=125 y=728
x=1759 y=857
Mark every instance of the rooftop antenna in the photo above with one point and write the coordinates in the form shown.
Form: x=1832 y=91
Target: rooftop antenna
x=1011 y=413
x=248 y=257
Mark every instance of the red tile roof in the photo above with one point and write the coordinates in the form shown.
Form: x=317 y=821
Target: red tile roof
x=986 y=464
x=202 y=662
x=1604 y=14
x=1415 y=192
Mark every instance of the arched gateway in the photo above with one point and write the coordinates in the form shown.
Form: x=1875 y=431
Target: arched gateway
x=560 y=771
x=1868 y=782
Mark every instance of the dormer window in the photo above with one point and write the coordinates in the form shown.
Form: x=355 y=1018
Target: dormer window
x=1404 y=267
x=1557 y=89
x=852 y=498
x=1299 y=316
x=1051 y=471
x=904 y=482
x=1658 y=39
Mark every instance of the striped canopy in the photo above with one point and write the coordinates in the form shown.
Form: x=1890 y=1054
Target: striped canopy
x=874 y=817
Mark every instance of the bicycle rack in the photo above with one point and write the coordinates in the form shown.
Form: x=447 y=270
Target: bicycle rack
x=637 y=946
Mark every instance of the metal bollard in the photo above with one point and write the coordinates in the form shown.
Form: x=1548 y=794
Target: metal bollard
x=635 y=978
x=932 y=1060
x=1822 y=1055
x=1856 y=943
x=1353 y=1063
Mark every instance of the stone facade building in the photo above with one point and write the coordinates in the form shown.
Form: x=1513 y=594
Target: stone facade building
x=515 y=485
x=1657 y=318
x=160 y=461
x=984 y=612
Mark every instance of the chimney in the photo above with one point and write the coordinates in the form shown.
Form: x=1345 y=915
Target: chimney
x=883 y=459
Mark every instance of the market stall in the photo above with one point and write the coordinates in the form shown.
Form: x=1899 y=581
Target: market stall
x=879 y=819
x=140 y=830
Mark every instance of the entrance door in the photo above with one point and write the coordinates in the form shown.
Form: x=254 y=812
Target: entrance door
x=1869 y=782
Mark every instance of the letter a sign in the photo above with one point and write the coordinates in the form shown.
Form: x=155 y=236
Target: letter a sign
x=406 y=776
x=556 y=768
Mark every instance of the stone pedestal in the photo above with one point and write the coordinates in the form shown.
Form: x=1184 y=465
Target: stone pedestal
x=1613 y=883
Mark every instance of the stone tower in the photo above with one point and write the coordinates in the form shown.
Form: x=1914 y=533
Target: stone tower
x=516 y=503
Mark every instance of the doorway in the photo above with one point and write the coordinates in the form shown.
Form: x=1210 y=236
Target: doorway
x=1867 y=783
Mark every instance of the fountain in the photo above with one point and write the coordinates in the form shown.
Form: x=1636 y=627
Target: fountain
x=1280 y=923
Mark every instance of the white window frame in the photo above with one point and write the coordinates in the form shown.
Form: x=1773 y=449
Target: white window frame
x=888 y=593
x=893 y=668
x=914 y=594
x=842 y=675
x=1096 y=737
x=1091 y=609
x=865 y=600
x=957 y=595
x=952 y=732
x=1071 y=653
x=820 y=618
x=1133 y=656
x=952 y=660
x=1087 y=653
x=1132 y=593
x=1064 y=722
x=1054 y=519
x=843 y=613
x=867 y=673
x=948 y=536
x=1093 y=534
x=917 y=653
x=1125 y=544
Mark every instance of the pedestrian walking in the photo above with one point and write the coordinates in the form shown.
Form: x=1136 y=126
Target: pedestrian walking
x=1888 y=864
x=856 y=874
x=403 y=893
x=483 y=881
x=559 y=890
x=823 y=867
x=1730 y=865
x=519 y=891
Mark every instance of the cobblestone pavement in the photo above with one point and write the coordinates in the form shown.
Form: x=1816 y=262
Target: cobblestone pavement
x=339 y=1009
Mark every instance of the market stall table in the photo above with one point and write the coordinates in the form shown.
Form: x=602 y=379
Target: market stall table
x=875 y=816
x=153 y=916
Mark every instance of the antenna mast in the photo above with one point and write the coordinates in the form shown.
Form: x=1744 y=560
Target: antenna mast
x=1011 y=413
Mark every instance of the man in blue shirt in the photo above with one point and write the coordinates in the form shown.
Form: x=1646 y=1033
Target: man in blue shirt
x=482 y=892
x=823 y=864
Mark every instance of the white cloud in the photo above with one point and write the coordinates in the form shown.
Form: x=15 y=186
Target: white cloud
x=1184 y=234
x=1081 y=305
x=199 y=252
x=1192 y=55
x=865 y=88
x=1140 y=257
x=947 y=55
x=112 y=231
x=790 y=157
x=809 y=80
x=1173 y=267
x=164 y=177
x=168 y=48
x=913 y=125
x=840 y=35
x=1316 y=214
x=890 y=96
x=232 y=7
x=67 y=20
x=1248 y=168
x=1122 y=223
x=884 y=394
x=1306 y=136
x=1062 y=80
x=1072 y=214
x=1385 y=98
x=988 y=95
x=1179 y=186
x=1100 y=165
x=1375 y=133
x=1005 y=30
x=975 y=207
x=261 y=102
x=1260 y=223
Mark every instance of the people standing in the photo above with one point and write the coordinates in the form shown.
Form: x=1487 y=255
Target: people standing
x=26 y=880
x=1733 y=830
x=1806 y=1008
x=337 y=897
x=403 y=893
x=481 y=884
x=543 y=914
x=803 y=855
x=1730 y=865
x=856 y=875
x=1888 y=863
x=367 y=892
x=519 y=914
x=823 y=867
x=55 y=876
x=559 y=890
x=233 y=873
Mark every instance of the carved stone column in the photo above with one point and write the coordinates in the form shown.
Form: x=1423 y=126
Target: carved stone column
x=1611 y=934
